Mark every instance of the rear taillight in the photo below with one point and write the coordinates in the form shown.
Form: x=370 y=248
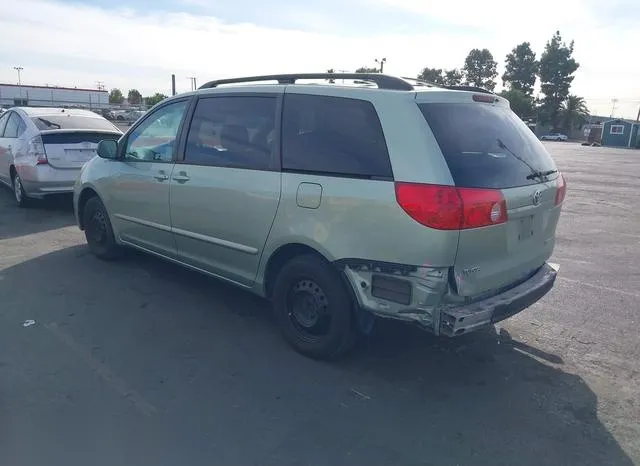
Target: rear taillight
x=36 y=150
x=561 y=184
x=451 y=208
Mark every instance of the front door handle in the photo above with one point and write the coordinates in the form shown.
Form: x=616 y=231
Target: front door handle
x=161 y=176
x=181 y=177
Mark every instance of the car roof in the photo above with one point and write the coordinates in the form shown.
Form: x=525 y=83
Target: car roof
x=49 y=111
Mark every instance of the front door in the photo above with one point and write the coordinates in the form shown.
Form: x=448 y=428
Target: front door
x=225 y=193
x=138 y=188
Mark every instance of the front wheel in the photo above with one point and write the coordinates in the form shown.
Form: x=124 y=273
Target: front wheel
x=313 y=308
x=98 y=231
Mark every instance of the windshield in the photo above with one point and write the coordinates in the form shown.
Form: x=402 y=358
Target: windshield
x=63 y=121
x=486 y=146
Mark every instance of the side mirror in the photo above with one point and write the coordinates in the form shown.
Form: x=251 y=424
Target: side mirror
x=108 y=149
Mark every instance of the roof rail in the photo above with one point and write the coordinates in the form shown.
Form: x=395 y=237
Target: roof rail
x=470 y=89
x=382 y=80
x=422 y=82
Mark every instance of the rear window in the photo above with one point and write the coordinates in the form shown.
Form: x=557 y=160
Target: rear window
x=486 y=146
x=46 y=122
x=333 y=136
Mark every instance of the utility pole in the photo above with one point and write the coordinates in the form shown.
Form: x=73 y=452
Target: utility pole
x=19 y=69
x=193 y=83
x=100 y=85
x=613 y=107
x=173 y=84
x=382 y=61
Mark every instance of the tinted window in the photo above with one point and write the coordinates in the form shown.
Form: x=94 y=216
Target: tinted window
x=232 y=132
x=3 y=122
x=68 y=121
x=333 y=135
x=154 y=139
x=15 y=126
x=486 y=146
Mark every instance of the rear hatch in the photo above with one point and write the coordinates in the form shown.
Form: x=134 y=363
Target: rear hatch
x=71 y=141
x=493 y=155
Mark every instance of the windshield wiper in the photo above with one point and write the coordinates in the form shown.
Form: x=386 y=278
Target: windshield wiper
x=534 y=173
x=50 y=124
x=540 y=174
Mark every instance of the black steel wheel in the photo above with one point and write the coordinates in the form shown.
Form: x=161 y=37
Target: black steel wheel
x=313 y=308
x=98 y=230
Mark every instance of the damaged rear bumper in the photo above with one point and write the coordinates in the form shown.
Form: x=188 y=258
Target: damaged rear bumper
x=420 y=300
x=458 y=320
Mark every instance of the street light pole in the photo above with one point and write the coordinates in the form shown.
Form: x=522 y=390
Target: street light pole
x=19 y=69
x=382 y=61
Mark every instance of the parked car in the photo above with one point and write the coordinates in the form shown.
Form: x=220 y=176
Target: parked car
x=338 y=203
x=554 y=137
x=43 y=149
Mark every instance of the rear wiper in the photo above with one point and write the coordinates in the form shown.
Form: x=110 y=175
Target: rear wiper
x=50 y=123
x=540 y=174
x=534 y=173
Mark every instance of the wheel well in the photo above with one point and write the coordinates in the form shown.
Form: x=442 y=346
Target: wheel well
x=85 y=195
x=280 y=257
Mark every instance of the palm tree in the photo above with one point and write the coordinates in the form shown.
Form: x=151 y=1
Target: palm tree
x=574 y=112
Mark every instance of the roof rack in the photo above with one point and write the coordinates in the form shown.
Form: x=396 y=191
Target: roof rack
x=422 y=82
x=382 y=80
x=469 y=88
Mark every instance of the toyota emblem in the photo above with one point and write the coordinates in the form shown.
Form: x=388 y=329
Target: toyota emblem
x=537 y=197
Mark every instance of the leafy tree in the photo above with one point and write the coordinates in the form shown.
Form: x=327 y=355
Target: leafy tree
x=521 y=68
x=331 y=71
x=522 y=104
x=115 y=96
x=366 y=69
x=557 y=67
x=154 y=99
x=574 y=112
x=453 y=77
x=134 y=97
x=480 y=69
x=432 y=75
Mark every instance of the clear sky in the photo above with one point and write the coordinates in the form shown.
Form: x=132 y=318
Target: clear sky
x=139 y=43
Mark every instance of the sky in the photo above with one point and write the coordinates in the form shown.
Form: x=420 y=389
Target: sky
x=140 y=43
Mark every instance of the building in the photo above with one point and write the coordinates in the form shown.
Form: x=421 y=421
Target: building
x=49 y=96
x=620 y=133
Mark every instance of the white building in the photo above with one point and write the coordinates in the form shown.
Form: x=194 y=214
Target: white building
x=45 y=96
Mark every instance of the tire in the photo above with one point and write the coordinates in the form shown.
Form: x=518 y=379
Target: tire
x=313 y=308
x=19 y=194
x=98 y=231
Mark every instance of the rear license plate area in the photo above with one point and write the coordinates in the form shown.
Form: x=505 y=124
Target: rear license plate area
x=526 y=227
x=80 y=155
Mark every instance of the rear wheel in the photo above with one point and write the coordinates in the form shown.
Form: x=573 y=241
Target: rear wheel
x=313 y=308
x=18 y=191
x=98 y=230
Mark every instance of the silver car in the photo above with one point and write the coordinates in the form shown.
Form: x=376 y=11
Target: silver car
x=43 y=149
x=408 y=201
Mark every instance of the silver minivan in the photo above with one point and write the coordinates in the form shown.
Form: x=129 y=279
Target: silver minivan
x=338 y=202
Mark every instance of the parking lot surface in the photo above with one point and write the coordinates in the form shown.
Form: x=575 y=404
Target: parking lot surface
x=139 y=362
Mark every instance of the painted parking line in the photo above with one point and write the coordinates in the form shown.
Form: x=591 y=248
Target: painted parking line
x=600 y=287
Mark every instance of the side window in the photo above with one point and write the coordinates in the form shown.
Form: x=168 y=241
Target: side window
x=333 y=136
x=3 y=122
x=233 y=132
x=12 y=130
x=156 y=138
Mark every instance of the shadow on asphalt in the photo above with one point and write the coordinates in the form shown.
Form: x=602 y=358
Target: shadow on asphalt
x=50 y=213
x=205 y=355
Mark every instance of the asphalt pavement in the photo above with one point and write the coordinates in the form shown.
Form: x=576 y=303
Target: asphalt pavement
x=139 y=362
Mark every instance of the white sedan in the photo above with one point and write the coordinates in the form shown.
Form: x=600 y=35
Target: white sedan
x=554 y=137
x=43 y=149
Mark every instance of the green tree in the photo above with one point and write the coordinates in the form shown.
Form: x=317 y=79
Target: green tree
x=154 y=99
x=557 y=67
x=521 y=103
x=453 y=77
x=521 y=68
x=115 y=96
x=573 y=112
x=134 y=97
x=366 y=69
x=331 y=71
x=480 y=69
x=432 y=75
